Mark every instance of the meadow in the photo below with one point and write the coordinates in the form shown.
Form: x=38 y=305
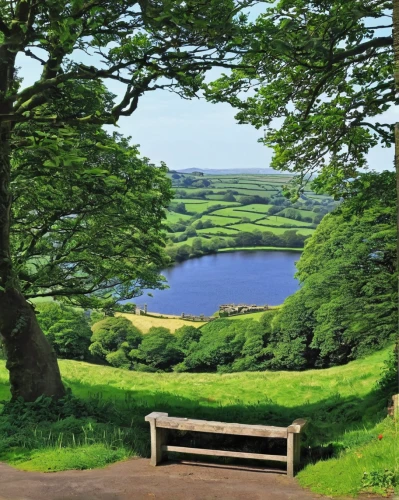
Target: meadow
x=172 y=323
x=342 y=404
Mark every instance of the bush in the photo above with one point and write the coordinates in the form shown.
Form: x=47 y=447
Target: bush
x=158 y=350
x=66 y=328
x=113 y=339
x=118 y=359
x=229 y=197
x=222 y=343
x=187 y=338
x=180 y=208
x=390 y=376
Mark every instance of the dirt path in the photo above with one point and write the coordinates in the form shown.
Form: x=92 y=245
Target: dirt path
x=137 y=480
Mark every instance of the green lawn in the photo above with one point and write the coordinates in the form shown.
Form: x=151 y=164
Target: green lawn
x=293 y=390
x=254 y=316
x=216 y=196
x=302 y=212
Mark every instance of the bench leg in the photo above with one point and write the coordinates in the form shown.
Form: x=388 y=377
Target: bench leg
x=293 y=453
x=290 y=454
x=158 y=439
x=297 y=450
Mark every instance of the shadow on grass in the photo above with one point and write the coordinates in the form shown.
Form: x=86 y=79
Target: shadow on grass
x=329 y=420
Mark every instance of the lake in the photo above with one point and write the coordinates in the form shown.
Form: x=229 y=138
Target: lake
x=199 y=286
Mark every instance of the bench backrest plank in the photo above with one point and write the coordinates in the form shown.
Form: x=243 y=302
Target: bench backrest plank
x=188 y=424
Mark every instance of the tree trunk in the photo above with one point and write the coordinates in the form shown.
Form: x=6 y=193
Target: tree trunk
x=31 y=360
x=396 y=79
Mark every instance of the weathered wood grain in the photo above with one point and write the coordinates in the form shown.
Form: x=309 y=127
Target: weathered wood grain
x=186 y=424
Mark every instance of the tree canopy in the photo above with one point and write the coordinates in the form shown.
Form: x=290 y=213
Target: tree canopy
x=79 y=45
x=347 y=303
x=318 y=76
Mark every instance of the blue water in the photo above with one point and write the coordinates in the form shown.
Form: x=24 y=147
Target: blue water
x=199 y=286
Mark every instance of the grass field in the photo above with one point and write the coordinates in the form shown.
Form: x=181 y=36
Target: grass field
x=144 y=323
x=303 y=213
x=261 y=209
x=217 y=230
x=220 y=221
x=275 y=220
x=248 y=227
x=254 y=316
x=239 y=214
x=344 y=410
x=173 y=217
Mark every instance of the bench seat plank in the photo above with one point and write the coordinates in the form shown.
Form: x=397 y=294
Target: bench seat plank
x=187 y=424
x=222 y=453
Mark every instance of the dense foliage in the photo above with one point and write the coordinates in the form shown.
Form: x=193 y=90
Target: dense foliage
x=157 y=351
x=66 y=328
x=97 y=223
x=112 y=340
x=347 y=304
x=322 y=77
x=67 y=243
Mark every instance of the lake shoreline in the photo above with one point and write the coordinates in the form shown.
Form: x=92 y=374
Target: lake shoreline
x=201 y=284
x=265 y=249
x=236 y=249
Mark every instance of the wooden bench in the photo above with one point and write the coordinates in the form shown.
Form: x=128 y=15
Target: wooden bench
x=160 y=423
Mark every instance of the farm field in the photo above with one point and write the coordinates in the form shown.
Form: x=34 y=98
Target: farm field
x=230 y=212
x=256 y=208
x=174 y=217
x=220 y=212
x=260 y=226
x=218 y=220
x=218 y=230
x=276 y=220
x=144 y=323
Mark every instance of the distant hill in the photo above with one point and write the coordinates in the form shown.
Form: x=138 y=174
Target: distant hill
x=221 y=171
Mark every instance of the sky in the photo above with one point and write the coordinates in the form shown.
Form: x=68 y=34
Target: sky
x=196 y=133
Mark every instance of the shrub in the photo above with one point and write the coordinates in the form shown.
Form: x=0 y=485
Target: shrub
x=180 y=208
x=66 y=328
x=229 y=197
x=390 y=376
x=158 y=350
x=187 y=338
x=113 y=337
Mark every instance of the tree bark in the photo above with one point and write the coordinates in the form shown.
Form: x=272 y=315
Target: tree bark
x=396 y=80
x=31 y=360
